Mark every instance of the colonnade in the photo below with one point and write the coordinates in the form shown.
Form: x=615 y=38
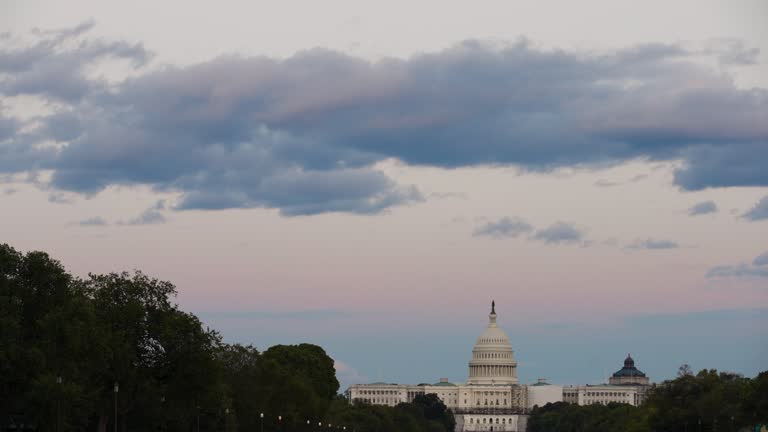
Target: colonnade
x=492 y=370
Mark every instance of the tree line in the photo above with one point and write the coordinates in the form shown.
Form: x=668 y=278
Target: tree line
x=706 y=401
x=113 y=352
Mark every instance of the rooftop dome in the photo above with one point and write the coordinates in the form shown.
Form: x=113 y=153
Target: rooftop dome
x=629 y=369
x=493 y=360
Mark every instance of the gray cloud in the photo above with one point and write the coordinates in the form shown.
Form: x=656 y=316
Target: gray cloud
x=701 y=208
x=150 y=216
x=759 y=211
x=653 y=244
x=738 y=271
x=733 y=52
x=59 y=198
x=560 y=232
x=94 y=221
x=761 y=260
x=52 y=69
x=504 y=228
x=303 y=134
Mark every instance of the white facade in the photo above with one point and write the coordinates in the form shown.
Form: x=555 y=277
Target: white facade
x=541 y=393
x=605 y=394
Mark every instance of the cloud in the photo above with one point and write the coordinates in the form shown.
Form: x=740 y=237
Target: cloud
x=304 y=134
x=53 y=69
x=653 y=244
x=503 y=228
x=559 y=232
x=761 y=260
x=94 y=221
x=701 y=208
x=59 y=198
x=606 y=183
x=739 y=271
x=150 y=216
x=759 y=211
x=758 y=269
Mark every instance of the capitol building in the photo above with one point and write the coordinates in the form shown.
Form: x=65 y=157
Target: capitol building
x=492 y=399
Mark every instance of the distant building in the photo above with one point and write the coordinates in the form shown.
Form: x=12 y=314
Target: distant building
x=628 y=385
x=491 y=400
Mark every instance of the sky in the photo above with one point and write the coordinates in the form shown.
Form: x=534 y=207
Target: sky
x=368 y=176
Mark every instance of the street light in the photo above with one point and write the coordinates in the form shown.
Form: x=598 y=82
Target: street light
x=162 y=408
x=117 y=388
x=58 y=402
x=261 y=419
x=198 y=417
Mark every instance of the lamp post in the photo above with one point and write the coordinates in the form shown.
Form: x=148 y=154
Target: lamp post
x=116 y=388
x=261 y=419
x=162 y=408
x=58 y=403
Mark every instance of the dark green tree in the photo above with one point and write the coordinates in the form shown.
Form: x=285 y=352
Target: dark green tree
x=435 y=410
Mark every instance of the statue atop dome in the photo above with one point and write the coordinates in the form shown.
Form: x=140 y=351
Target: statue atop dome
x=493 y=307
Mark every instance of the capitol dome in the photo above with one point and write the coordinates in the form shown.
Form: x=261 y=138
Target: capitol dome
x=493 y=361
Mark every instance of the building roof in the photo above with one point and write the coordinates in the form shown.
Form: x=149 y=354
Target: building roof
x=629 y=369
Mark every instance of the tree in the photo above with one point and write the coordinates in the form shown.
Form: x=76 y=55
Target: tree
x=435 y=410
x=684 y=370
x=155 y=353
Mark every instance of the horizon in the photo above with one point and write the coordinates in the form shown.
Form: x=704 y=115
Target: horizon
x=369 y=177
